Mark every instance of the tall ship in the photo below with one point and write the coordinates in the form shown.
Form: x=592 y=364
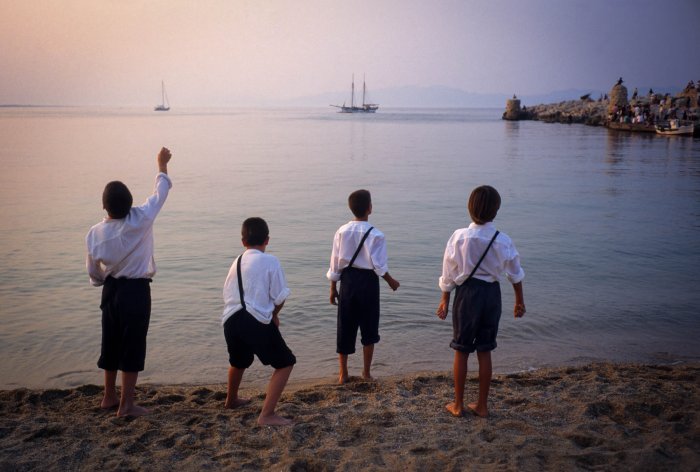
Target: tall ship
x=364 y=108
x=164 y=105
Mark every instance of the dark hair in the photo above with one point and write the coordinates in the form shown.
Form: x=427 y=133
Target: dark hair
x=484 y=203
x=254 y=231
x=117 y=199
x=359 y=202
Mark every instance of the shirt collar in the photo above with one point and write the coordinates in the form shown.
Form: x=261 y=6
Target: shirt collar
x=487 y=225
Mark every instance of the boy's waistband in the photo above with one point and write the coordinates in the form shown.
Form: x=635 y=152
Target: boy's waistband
x=475 y=281
x=125 y=280
x=357 y=269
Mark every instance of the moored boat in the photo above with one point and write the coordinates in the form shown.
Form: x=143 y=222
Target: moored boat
x=364 y=108
x=676 y=128
x=637 y=127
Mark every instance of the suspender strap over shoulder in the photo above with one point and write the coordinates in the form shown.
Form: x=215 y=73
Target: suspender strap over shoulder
x=482 y=256
x=240 y=281
x=360 y=246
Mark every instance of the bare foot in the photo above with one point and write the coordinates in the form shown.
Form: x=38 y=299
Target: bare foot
x=236 y=403
x=454 y=410
x=274 y=420
x=134 y=411
x=342 y=379
x=475 y=410
x=367 y=377
x=108 y=403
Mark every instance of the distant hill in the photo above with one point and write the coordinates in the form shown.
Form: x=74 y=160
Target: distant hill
x=446 y=97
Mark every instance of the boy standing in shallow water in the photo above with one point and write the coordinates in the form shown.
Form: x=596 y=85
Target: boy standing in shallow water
x=475 y=258
x=358 y=258
x=254 y=293
x=120 y=259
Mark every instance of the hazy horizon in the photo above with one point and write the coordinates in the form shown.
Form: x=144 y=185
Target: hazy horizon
x=257 y=53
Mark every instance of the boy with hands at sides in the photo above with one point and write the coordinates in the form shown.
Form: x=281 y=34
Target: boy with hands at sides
x=358 y=259
x=475 y=258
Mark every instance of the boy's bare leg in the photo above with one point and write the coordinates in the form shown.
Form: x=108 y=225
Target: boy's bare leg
x=367 y=354
x=485 y=371
x=235 y=375
x=274 y=392
x=460 y=376
x=343 y=362
x=127 y=407
x=110 y=399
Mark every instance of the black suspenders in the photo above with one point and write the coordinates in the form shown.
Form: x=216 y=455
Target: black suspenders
x=360 y=246
x=240 y=282
x=482 y=256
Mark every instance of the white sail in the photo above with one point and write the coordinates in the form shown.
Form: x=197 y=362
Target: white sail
x=164 y=105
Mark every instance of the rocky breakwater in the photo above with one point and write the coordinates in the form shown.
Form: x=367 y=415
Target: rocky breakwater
x=584 y=111
x=642 y=112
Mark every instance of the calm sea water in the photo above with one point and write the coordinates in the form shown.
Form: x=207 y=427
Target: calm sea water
x=607 y=225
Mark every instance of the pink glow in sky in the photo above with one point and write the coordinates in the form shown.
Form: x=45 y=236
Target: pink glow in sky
x=228 y=52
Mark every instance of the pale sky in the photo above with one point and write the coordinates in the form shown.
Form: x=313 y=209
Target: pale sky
x=228 y=52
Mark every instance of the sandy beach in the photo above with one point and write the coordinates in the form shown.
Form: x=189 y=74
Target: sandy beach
x=593 y=417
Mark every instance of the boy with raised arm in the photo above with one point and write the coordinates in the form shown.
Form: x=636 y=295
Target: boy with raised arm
x=254 y=293
x=358 y=259
x=120 y=259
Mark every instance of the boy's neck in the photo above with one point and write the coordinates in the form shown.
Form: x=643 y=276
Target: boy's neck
x=260 y=248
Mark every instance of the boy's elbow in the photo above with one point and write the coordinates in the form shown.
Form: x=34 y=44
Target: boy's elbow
x=516 y=278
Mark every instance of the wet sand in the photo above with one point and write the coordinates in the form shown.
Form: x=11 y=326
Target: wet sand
x=593 y=417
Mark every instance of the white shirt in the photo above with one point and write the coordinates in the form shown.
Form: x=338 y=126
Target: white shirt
x=124 y=247
x=372 y=255
x=264 y=286
x=464 y=249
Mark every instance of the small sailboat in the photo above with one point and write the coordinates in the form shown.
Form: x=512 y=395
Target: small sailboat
x=365 y=108
x=164 y=105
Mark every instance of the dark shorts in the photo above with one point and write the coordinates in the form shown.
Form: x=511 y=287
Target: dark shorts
x=475 y=316
x=246 y=336
x=358 y=307
x=126 y=312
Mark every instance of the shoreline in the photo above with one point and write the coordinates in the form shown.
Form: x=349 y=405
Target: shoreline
x=594 y=416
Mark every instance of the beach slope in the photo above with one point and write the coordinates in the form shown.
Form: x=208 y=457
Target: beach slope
x=593 y=417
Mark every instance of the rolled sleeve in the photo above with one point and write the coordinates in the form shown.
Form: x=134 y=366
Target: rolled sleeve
x=333 y=273
x=156 y=201
x=445 y=285
x=514 y=272
x=278 y=286
x=281 y=297
x=449 y=269
x=97 y=276
x=379 y=258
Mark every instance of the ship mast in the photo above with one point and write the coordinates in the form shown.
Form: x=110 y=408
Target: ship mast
x=363 y=90
x=352 y=95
